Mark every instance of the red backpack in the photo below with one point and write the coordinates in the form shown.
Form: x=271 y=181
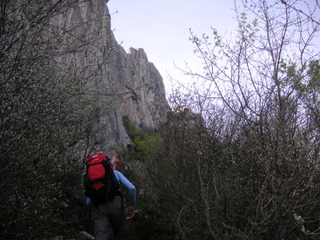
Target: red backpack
x=101 y=183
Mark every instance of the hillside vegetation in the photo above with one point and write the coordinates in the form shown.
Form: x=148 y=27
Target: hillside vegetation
x=238 y=155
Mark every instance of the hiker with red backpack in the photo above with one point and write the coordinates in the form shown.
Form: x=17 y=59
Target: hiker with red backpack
x=107 y=205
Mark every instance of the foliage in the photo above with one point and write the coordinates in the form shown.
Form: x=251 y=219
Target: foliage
x=236 y=187
x=151 y=220
x=250 y=168
x=42 y=116
x=131 y=129
x=41 y=197
x=144 y=141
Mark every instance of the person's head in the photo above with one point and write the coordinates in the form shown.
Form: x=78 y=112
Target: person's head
x=117 y=164
x=113 y=158
x=115 y=161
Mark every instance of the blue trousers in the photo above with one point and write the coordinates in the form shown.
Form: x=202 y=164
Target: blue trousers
x=107 y=217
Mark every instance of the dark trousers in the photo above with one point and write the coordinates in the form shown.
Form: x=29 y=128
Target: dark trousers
x=108 y=216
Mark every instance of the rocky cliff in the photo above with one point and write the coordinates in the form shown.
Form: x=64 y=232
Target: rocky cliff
x=130 y=85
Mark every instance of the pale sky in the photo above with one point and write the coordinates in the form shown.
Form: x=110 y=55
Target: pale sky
x=161 y=28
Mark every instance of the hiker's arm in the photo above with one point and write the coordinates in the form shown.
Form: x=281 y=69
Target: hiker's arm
x=132 y=192
x=130 y=187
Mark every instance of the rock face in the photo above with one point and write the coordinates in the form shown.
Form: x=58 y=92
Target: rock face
x=132 y=86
